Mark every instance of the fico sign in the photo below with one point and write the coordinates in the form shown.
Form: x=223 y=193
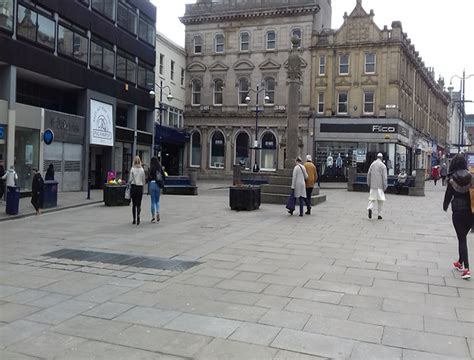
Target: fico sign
x=383 y=129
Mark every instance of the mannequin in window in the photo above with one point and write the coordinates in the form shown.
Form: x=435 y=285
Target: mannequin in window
x=329 y=163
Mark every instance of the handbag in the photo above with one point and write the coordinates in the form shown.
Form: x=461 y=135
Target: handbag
x=291 y=203
x=159 y=180
x=128 y=194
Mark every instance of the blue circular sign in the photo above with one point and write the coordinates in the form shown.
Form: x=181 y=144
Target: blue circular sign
x=48 y=136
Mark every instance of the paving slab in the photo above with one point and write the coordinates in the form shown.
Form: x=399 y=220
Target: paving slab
x=364 y=351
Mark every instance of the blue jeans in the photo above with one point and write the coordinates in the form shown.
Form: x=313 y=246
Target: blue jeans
x=155 y=198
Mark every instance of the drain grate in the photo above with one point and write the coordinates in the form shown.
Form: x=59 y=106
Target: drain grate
x=123 y=259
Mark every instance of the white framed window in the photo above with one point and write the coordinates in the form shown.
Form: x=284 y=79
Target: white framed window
x=297 y=33
x=369 y=63
x=321 y=103
x=344 y=64
x=270 y=90
x=244 y=41
x=197 y=44
x=243 y=90
x=271 y=40
x=217 y=153
x=162 y=64
x=268 y=154
x=172 y=71
x=322 y=65
x=219 y=43
x=218 y=92
x=369 y=102
x=182 y=77
x=342 y=102
x=196 y=92
x=195 y=149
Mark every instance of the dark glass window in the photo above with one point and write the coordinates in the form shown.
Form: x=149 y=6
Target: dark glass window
x=243 y=91
x=73 y=42
x=146 y=76
x=218 y=91
x=297 y=33
x=102 y=56
x=196 y=149
x=197 y=44
x=270 y=90
x=35 y=27
x=127 y=17
x=126 y=67
x=105 y=7
x=244 y=41
x=6 y=14
x=271 y=40
x=196 y=92
x=146 y=31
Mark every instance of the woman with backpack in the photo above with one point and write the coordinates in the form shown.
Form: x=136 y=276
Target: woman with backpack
x=156 y=182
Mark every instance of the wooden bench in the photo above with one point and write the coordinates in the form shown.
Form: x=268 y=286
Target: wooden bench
x=179 y=185
x=360 y=184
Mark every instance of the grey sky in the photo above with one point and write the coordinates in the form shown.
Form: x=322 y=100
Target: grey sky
x=441 y=31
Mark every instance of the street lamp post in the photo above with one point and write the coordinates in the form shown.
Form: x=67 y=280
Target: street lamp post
x=312 y=116
x=160 y=108
x=463 y=102
x=247 y=100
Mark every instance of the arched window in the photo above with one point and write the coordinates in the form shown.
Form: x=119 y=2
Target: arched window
x=297 y=33
x=219 y=43
x=271 y=40
x=218 y=91
x=270 y=90
x=196 y=89
x=217 y=150
x=195 y=149
x=244 y=41
x=197 y=43
x=243 y=90
x=242 y=150
x=268 y=156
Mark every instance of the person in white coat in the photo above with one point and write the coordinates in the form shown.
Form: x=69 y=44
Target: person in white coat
x=10 y=176
x=298 y=184
x=377 y=182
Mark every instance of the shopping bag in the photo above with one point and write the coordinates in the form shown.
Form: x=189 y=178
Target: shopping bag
x=290 y=204
x=127 y=192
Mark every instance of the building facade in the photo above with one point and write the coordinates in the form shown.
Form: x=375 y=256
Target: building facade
x=371 y=92
x=170 y=137
x=82 y=68
x=236 y=56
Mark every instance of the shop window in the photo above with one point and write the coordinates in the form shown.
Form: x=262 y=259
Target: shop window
x=217 y=150
x=146 y=30
x=270 y=90
x=344 y=64
x=35 y=27
x=268 y=156
x=195 y=149
x=244 y=41
x=297 y=34
x=73 y=42
x=243 y=90
x=105 y=7
x=321 y=103
x=218 y=91
x=126 y=67
x=197 y=44
x=369 y=101
x=127 y=17
x=242 y=150
x=322 y=65
x=146 y=76
x=342 y=102
x=219 y=43
x=172 y=71
x=271 y=40
x=6 y=14
x=162 y=64
x=27 y=147
x=102 y=56
x=369 y=63
x=196 y=92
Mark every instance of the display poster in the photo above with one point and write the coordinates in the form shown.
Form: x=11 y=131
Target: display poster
x=101 y=124
x=360 y=155
x=28 y=154
x=470 y=162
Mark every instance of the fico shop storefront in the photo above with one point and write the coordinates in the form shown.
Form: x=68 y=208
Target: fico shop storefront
x=340 y=145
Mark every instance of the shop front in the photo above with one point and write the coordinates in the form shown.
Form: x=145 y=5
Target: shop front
x=170 y=144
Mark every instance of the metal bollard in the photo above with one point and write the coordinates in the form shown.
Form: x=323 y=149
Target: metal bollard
x=88 y=190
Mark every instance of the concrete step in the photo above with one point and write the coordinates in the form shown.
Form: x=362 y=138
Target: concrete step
x=271 y=198
x=282 y=189
x=279 y=180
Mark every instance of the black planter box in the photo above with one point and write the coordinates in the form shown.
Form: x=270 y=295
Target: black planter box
x=114 y=195
x=244 y=197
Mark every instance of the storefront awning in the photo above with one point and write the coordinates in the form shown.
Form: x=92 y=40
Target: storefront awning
x=171 y=135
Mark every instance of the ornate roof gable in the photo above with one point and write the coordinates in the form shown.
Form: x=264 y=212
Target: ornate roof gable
x=218 y=66
x=243 y=65
x=269 y=64
x=358 y=27
x=196 y=66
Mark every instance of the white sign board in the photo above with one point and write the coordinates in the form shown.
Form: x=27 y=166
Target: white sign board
x=102 y=124
x=360 y=155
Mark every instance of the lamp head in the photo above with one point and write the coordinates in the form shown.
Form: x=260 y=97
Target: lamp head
x=169 y=97
x=247 y=99
x=151 y=93
x=266 y=98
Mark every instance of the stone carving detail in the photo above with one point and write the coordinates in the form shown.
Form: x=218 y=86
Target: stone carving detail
x=294 y=62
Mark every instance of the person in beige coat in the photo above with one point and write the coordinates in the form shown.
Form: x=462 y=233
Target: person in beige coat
x=377 y=182
x=298 y=185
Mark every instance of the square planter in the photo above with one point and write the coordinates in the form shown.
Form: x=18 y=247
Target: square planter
x=244 y=197
x=114 y=195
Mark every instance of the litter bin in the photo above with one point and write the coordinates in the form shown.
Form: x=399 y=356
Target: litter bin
x=13 y=200
x=50 y=194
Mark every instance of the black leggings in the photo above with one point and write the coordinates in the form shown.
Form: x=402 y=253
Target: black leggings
x=35 y=200
x=136 y=193
x=462 y=222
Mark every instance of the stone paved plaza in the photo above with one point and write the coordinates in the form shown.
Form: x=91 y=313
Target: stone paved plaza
x=333 y=285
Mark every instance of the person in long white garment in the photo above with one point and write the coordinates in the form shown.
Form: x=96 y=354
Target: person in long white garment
x=377 y=181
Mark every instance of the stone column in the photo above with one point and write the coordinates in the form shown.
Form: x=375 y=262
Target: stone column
x=293 y=80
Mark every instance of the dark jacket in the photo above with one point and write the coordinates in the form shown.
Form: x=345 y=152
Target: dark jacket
x=49 y=174
x=37 y=184
x=457 y=192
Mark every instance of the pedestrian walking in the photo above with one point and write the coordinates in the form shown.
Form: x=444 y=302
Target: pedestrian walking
x=310 y=180
x=443 y=173
x=137 y=181
x=298 y=185
x=156 y=182
x=49 y=173
x=36 y=190
x=377 y=182
x=2 y=182
x=457 y=194
x=435 y=174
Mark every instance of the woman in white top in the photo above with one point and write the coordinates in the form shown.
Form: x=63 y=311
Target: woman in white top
x=137 y=181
